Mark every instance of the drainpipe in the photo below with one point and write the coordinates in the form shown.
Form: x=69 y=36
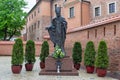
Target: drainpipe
x=81 y=13
x=51 y=3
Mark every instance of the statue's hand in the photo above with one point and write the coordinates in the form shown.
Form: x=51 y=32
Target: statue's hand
x=46 y=28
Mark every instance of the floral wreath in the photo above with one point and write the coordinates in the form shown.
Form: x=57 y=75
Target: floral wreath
x=58 y=53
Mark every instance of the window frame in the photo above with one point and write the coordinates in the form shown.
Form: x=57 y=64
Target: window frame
x=71 y=15
x=108 y=7
x=95 y=11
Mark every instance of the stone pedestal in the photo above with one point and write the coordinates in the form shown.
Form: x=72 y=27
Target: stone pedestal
x=66 y=67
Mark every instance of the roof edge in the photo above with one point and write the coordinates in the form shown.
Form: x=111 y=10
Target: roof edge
x=96 y=24
x=33 y=7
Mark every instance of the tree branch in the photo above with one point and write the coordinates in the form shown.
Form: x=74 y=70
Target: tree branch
x=12 y=34
x=5 y=33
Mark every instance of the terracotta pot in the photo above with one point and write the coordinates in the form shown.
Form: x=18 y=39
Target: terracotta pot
x=16 y=69
x=90 y=69
x=29 y=66
x=101 y=72
x=77 y=66
x=42 y=65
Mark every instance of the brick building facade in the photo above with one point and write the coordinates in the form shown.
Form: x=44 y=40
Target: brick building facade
x=42 y=13
x=87 y=20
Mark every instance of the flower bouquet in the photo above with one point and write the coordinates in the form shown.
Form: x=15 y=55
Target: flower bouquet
x=58 y=54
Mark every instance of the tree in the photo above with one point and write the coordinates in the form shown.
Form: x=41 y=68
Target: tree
x=12 y=18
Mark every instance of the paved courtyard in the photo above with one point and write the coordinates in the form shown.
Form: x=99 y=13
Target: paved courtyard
x=6 y=74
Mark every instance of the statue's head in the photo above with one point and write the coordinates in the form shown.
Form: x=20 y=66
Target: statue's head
x=58 y=11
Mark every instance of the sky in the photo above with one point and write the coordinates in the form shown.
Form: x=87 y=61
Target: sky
x=31 y=3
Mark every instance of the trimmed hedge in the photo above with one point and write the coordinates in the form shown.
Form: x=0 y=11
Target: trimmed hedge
x=17 y=53
x=102 y=60
x=30 y=52
x=89 y=56
x=44 y=51
x=77 y=53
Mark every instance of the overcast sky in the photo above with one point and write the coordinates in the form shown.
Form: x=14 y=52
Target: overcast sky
x=31 y=3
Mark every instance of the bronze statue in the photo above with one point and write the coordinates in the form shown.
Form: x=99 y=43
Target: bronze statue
x=57 y=30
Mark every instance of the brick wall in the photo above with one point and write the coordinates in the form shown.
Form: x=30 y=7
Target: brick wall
x=108 y=32
x=7 y=46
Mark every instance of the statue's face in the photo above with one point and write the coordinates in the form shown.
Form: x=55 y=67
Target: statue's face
x=58 y=12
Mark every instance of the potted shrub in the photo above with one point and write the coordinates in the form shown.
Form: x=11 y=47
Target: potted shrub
x=102 y=60
x=30 y=55
x=44 y=54
x=89 y=57
x=17 y=56
x=77 y=55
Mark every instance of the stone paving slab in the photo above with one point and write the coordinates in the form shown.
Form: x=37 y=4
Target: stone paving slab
x=6 y=74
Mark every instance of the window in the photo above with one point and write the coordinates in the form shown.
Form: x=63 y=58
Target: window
x=37 y=38
x=32 y=16
x=112 y=8
x=71 y=13
x=38 y=23
x=32 y=28
x=97 y=11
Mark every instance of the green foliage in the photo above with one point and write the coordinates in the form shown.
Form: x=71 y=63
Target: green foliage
x=102 y=60
x=17 y=53
x=12 y=18
x=58 y=53
x=89 y=56
x=30 y=52
x=77 y=53
x=44 y=51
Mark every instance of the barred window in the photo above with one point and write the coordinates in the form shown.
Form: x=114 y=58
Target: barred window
x=97 y=11
x=71 y=13
x=111 y=7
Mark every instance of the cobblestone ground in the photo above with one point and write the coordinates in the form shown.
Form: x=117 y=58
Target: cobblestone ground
x=6 y=74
